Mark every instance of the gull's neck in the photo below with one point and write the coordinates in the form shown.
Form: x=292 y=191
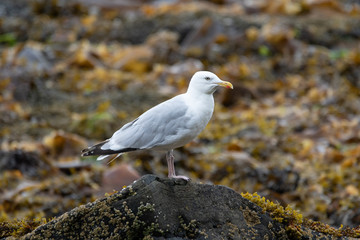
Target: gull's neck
x=200 y=104
x=196 y=92
x=195 y=97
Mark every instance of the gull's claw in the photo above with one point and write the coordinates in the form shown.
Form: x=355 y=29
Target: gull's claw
x=180 y=177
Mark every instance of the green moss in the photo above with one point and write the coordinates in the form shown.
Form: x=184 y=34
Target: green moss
x=135 y=226
x=277 y=212
x=251 y=217
x=339 y=232
x=18 y=228
x=295 y=222
x=233 y=229
x=191 y=228
x=8 y=39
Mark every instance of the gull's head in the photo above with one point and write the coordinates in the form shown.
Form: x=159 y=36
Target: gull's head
x=207 y=82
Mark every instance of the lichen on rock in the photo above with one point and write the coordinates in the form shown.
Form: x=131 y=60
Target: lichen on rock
x=155 y=207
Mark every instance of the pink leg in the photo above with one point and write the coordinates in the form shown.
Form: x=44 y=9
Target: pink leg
x=170 y=161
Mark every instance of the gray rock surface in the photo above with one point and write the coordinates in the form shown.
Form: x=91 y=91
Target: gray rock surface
x=161 y=208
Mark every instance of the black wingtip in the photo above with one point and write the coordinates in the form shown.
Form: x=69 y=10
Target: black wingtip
x=96 y=150
x=86 y=152
x=91 y=151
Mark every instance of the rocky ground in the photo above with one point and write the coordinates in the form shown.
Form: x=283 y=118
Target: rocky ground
x=162 y=208
x=72 y=72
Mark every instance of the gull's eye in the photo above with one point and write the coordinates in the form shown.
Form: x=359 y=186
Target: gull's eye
x=207 y=78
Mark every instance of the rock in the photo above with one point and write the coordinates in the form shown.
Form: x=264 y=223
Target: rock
x=116 y=177
x=161 y=208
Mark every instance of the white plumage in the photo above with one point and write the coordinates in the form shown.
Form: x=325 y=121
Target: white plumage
x=166 y=126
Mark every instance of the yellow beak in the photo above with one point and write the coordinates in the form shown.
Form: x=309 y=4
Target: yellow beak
x=225 y=84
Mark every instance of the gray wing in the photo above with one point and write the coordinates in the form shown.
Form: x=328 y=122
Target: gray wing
x=164 y=124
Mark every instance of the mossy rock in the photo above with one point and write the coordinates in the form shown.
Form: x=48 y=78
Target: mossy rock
x=161 y=208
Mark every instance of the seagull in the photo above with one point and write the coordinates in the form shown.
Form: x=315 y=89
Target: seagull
x=168 y=125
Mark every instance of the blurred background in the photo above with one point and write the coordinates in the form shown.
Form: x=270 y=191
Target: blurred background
x=73 y=72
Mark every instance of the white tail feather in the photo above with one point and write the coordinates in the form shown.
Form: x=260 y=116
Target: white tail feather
x=101 y=157
x=115 y=157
